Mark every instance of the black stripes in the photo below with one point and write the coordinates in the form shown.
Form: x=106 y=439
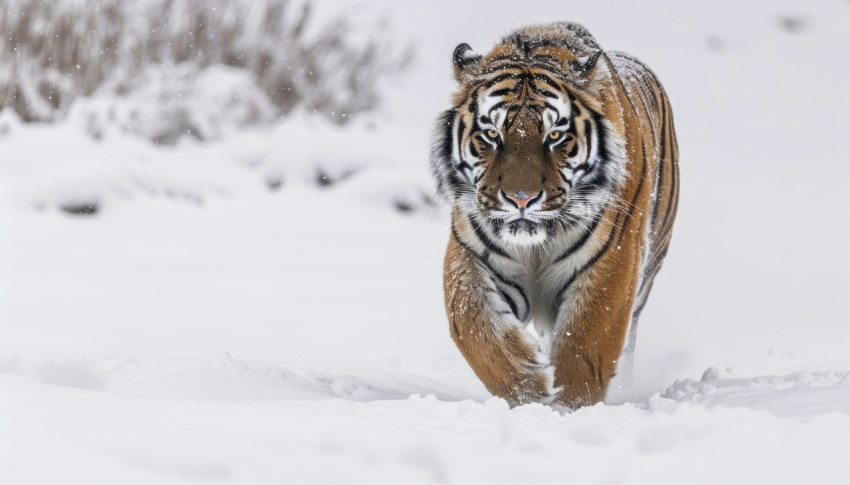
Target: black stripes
x=498 y=105
x=513 y=295
x=511 y=303
x=511 y=292
x=641 y=179
x=466 y=170
x=548 y=81
x=581 y=241
x=655 y=263
x=461 y=127
x=550 y=106
x=442 y=166
x=504 y=91
x=485 y=239
x=668 y=146
x=448 y=120
x=596 y=257
x=544 y=93
x=473 y=102
x=584 y=166
x=592 y=171
x=602 y=137
x=496 y=80
x=662 y=156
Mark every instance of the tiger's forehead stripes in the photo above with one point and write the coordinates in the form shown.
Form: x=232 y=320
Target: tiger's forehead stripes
x=541 y=52
x=557 y=113
x=544 y=59
x=504 y=99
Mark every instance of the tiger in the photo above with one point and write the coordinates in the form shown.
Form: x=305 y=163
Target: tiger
x=560 y=164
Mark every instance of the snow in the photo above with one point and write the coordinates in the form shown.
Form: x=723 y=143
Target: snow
x=267 y=307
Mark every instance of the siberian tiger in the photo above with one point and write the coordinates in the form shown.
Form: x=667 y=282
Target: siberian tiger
x=560 y=163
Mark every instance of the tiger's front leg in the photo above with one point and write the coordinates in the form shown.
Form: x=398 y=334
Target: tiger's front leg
x=590 y=337
x=498 y=348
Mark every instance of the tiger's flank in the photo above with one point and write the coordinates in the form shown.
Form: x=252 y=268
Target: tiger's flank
x=560 y=163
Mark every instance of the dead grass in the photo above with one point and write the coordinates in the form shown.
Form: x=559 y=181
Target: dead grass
x=52 y=52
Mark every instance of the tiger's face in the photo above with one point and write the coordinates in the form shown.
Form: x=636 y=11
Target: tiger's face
x=523 y=154
x=520 y=143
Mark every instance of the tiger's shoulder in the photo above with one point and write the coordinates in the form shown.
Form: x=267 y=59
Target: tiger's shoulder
x=639 y=81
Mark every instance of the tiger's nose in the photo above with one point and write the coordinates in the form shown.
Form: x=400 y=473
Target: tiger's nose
x=521 y=199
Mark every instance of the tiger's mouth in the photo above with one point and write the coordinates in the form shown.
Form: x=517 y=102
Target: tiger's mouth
x=522 y=232
x=521 y=226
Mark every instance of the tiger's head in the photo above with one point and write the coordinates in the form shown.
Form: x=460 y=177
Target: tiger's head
x=527 y=147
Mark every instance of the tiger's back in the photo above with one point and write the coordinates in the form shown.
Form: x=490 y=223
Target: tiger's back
x=652 y=109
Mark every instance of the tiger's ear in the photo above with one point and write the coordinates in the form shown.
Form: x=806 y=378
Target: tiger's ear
x=465 y=59
x=584 y=66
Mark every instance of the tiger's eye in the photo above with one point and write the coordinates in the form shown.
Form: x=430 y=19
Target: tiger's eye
x=492 y=133
x=554 y=135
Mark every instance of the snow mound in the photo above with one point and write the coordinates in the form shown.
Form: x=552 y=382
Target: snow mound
x=220 y=378
x=800 y=395
x=81 y=176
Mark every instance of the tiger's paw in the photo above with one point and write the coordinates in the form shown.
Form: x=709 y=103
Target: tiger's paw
x=531 y=380
x=534 y=385
x=552 y=392
x=542 y=389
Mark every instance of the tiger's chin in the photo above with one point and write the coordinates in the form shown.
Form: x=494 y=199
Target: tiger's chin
x=523 y=232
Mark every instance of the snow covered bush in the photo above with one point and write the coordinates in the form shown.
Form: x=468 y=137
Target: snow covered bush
x=164 y=68
x=167 y=102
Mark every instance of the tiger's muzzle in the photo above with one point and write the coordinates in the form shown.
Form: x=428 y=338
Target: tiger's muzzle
x=520 y=220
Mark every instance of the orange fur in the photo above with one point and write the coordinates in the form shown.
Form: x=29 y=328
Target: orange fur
x=588 y=297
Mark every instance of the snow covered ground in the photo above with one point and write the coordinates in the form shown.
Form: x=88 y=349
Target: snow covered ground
x=267 y=308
